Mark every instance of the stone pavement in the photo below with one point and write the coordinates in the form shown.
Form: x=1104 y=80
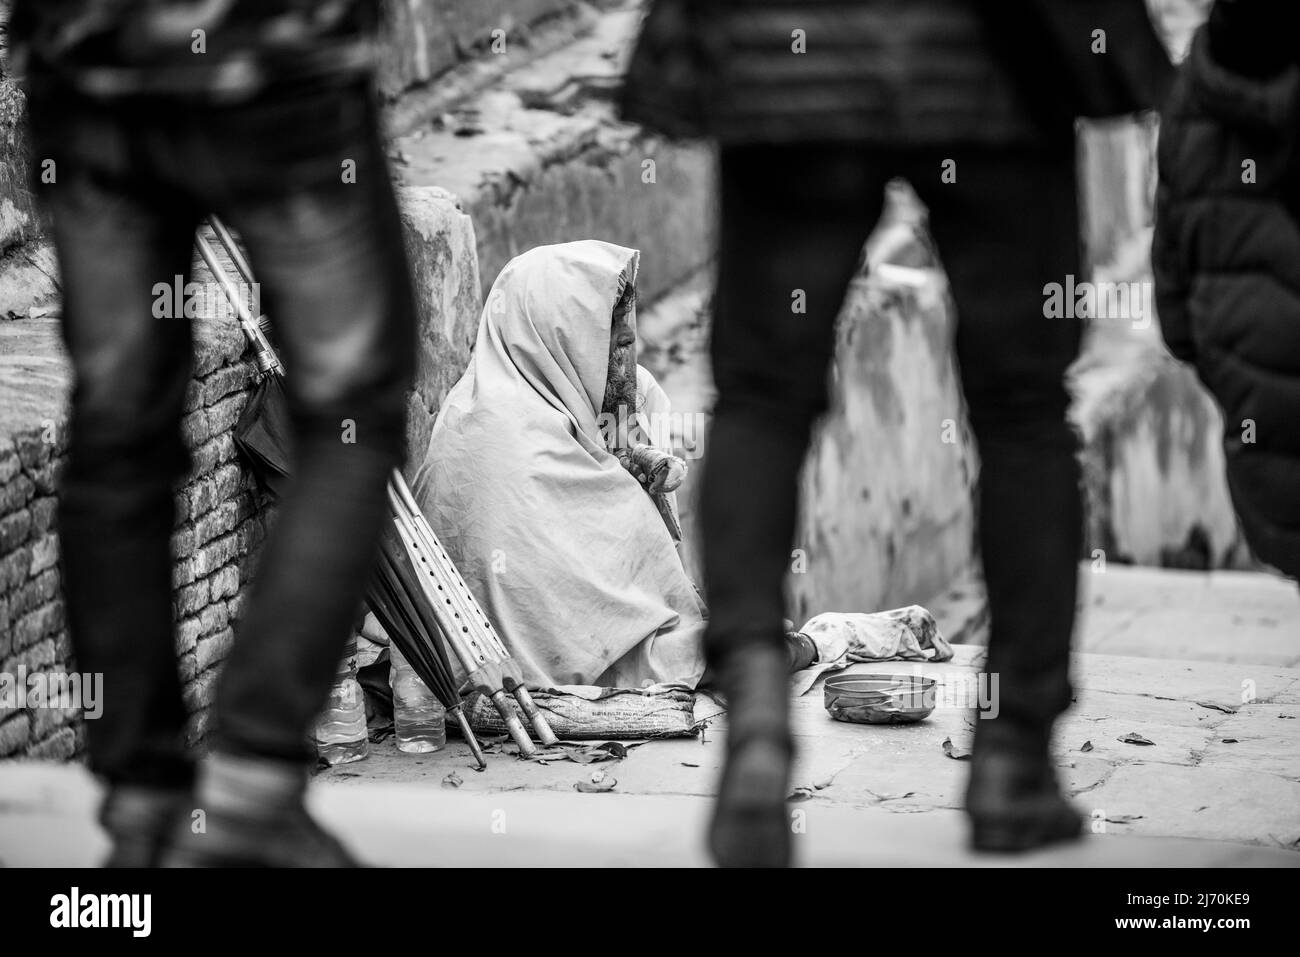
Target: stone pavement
x=1219 y=784
x=893 y=793
x=1228 y=616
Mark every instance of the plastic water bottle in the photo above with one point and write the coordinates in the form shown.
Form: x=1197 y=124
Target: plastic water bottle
x=419 y=718
x=340 y=734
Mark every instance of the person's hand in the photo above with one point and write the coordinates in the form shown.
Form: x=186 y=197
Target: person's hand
x=657 y=470
x=667 y=476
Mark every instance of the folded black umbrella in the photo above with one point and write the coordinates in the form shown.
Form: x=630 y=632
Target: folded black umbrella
x=397 y=602
x=403 y=611
x=262 y=435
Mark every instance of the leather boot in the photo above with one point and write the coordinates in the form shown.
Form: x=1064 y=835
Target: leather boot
x=285 y=837
x=253 y=816
x=1013 y=799
x=139 y=820
x=750 y=826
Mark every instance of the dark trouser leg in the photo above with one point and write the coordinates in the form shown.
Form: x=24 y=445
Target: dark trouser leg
x=334 y=280
x=116 y=239
x=793 y=223
x=1005 y=230
x=1008 y=227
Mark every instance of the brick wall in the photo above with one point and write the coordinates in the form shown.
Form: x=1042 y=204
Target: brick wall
x=220 y=523
x=219 y=526
x=31 y=611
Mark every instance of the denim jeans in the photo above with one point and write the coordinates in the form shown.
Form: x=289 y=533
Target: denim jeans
x=795 y=217
x=133 y=180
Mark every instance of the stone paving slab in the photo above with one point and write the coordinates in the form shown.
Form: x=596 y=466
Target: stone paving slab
x=1249 y=741
x=1217 y=804
x=1186 y=680
x=1230 y=616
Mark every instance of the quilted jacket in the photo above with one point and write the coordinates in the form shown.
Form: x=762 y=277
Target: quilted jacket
x=1226 y=255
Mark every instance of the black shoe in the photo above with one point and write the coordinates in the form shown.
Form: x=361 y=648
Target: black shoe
x=1013 y=799
x=750 y=825
x=138 y=821
x=284 y=838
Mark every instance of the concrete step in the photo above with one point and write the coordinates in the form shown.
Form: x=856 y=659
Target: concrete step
x=540 y=157
x=425 y=39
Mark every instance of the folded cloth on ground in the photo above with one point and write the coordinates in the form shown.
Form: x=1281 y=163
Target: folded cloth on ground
x=843 y=638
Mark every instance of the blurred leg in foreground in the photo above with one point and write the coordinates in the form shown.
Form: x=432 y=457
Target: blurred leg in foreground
x=328 y=255
x=117 y=235
x=794 y=219
x=1013 y=360
x=989 y=92
x=295 y=164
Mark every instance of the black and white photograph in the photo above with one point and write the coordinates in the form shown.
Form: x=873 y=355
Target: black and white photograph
x=649 y=434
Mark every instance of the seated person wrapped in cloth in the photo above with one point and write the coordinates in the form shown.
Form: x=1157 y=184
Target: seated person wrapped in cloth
x=560 y=543
x=543 y=484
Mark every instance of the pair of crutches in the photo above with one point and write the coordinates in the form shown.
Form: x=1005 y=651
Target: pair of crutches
x=465 y=627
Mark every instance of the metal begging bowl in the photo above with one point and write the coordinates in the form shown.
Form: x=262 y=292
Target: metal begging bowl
x=880 y=698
